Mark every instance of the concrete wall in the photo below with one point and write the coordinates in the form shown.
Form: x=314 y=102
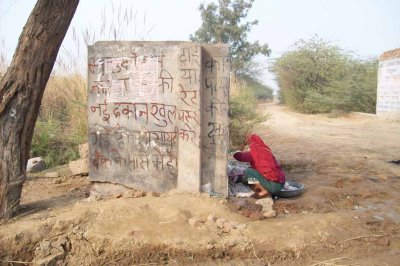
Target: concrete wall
x=388 y=93
x=215 y=125
x=158 y=115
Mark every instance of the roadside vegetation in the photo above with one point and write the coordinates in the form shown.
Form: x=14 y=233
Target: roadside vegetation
x=244 y=116
x=316 y=76
x=261 y=91
x=62 y=122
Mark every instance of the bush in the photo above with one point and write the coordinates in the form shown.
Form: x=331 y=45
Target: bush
x=244 y=117
x=260 y=91
x=62 y=122
x=317 y=76
x=52 y=144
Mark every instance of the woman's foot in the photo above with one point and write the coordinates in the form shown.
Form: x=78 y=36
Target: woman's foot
x=260 y=195
x=262 y=192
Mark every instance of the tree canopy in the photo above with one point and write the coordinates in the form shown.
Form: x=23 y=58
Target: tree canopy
x=318 y=76
x=225 y=23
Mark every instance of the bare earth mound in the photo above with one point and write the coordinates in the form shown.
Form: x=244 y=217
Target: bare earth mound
x=349 y=214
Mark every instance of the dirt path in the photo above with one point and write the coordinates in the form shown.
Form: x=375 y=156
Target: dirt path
x=340 y=157
x=349 y=214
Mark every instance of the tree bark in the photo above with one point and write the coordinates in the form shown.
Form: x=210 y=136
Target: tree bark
x=21 y=92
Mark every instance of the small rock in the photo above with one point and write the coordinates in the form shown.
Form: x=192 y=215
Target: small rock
x=270 y=214
x=256 y=216
x=79 y=167
x=241 y=226
x=231 y=243
x=220 y=223
x=195 y=222
x=54 y=251
x=43 y=249
x=139 y=194
x=227 y=227
x=210 y=246
x=51 y=252
x=211 y=218
x=52 y=175
x=267 y=203
x=84 y=150
x=36 y=164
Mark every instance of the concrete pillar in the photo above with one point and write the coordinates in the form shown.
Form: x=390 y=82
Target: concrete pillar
x=158 y=115
x=215 y=124
x=190 y=93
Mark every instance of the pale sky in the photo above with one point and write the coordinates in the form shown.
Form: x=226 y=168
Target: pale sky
x=366 y=27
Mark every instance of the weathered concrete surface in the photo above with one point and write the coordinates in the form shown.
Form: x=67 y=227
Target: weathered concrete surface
x=388 y=93
x=215 y=124
x=152 y=113
x=190 y=95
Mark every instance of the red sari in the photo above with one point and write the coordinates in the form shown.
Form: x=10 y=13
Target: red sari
x=261 y=159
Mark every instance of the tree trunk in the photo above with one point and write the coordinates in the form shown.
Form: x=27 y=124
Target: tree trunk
x=21 y=91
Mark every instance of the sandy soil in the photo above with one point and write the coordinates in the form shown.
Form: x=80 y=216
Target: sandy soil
x=348 y=215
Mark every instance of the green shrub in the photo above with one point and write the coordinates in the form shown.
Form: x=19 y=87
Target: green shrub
x=50 y=143
x=62 y=122
x=244 y=117
x=317 y=77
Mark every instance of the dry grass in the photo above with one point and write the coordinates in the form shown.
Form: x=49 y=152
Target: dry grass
x=62 y=122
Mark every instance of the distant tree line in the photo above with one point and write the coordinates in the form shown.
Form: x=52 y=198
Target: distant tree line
x=316 y=76
x=260 y=90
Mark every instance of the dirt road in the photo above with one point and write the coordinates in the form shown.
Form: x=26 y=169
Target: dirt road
x=340 y=157
x=349 y=214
